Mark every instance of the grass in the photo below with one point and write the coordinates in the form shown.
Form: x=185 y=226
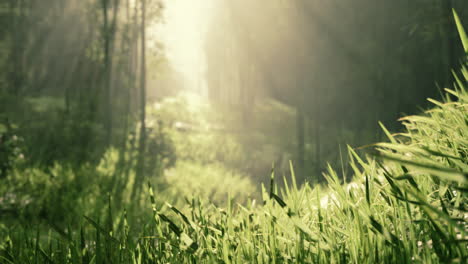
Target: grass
x=405 y=204
x=408 y=205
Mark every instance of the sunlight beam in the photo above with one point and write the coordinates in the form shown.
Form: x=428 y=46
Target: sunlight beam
x=183 y=34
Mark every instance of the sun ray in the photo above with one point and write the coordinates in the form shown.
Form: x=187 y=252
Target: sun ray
x=186 y=23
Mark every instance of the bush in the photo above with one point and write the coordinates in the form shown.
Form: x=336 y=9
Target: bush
x=10 y=149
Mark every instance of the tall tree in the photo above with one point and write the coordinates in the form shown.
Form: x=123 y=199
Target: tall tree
x=17 y=46
x=142 y=139
x=110 y=29
x=300 y=130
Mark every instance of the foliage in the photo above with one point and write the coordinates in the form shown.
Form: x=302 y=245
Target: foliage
x=196 y=132
x=208 y=182
x=10 y=149
x=407 y=206
x=62 y=62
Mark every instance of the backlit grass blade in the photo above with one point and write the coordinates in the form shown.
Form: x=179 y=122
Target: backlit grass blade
x=461 y=31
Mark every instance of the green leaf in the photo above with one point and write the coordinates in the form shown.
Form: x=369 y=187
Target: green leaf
x=304 y=230
x=387 y=133
x=367 y=190
x=174 y=228
x=278 y=200
x=184 y=217
x=384 y=232
x=441 y=172
x=100 y=229
x=461 y=31
x=187 y=242
x=45 y=255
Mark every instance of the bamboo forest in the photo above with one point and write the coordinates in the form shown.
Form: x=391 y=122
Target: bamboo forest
x=233 y=131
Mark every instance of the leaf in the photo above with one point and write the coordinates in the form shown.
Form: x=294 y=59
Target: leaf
x=409 y=178
x=461 y=31
x=387 y=133
x=452 y=92
x=304 y=230
x=441 y=172
x=172 y=226
x=293 y=175
x=45 y=255
x=185 y=218
x=101 y=229
x=367 y=190
x=272 y=179
x=278 y=200
x=440 y=154
x=152 y=199
x=187 y=242
x=388 y=236
x=429 y=207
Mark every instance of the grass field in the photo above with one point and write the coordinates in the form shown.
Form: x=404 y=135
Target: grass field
x=406 y=203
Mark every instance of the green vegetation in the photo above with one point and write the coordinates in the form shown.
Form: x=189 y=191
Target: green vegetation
x=102 y=162
x=408 y=208
x=408 y=205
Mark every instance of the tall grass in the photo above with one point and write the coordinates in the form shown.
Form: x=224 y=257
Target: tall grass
x=407 y=204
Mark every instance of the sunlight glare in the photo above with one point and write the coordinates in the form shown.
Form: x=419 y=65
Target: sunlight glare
x=183 y=34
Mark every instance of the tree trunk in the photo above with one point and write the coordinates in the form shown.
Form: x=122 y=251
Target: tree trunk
x=16 y=74
x=300 y=127
x=317 y=140
x=142 y=142
x=110 y=28
x=129 y=72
